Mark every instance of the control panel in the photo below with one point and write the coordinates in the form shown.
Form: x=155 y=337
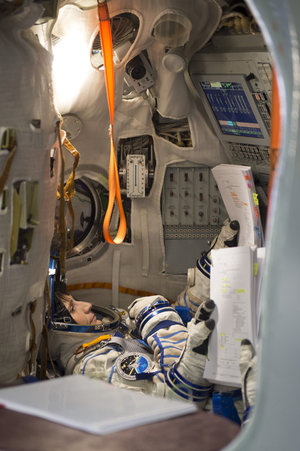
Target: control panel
x=233 y=78
x=191 y=203
x=136 y=163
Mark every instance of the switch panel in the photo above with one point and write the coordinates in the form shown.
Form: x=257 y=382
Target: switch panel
x=191 y=201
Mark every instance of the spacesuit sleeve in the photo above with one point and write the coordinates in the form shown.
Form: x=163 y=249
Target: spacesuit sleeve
x=179 y=351
x=159 y=325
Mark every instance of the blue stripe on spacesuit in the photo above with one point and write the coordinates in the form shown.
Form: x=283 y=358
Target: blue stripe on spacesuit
x=111 y=373
x=192 y=311
x=162 y=325
x=173 y=342
x=141 y=324
x=204 y=266
x=162 y=379
x=170 y=356
x=172 y=347
x=175 y=333
x=164 y=356
x=184 y=298
x=184 y=388
x=193 y=303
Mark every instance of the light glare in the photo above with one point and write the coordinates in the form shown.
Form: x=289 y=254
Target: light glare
x=71 y=64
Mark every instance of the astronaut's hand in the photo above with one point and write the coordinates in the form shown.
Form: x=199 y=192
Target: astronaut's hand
x=193 y=359
x=228 y=236
x=247 y=364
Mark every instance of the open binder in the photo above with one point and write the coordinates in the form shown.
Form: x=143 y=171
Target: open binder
x=234 y=286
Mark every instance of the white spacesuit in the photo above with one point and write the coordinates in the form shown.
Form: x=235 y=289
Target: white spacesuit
x=166 y=359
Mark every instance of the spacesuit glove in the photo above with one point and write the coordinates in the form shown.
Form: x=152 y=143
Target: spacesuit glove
x=198 y=288
x=248 y=374
x=186 y=376
x=228 y=235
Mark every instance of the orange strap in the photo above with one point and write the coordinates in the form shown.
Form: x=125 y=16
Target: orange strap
x=113 y=177
x=275 y=139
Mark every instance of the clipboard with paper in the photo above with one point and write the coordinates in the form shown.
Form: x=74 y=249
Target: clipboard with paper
x=234 y=291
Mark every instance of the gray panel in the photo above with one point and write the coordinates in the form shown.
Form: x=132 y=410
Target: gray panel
x=182 y=254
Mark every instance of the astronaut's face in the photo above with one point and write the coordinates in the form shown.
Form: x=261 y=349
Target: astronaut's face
x=81 y=312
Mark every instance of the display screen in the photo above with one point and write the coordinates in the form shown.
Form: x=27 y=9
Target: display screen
x=231 y=108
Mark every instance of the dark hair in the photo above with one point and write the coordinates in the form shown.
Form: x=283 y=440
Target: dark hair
x=60 y=313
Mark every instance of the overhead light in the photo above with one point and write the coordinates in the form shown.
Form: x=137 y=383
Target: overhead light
x=71 y=65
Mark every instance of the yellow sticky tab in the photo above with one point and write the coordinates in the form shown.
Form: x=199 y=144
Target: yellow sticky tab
x=240 y=290
x=255 y=269
x=255 y=198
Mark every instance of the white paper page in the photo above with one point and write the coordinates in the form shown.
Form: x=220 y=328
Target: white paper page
x=260 y=258
x=237 y=189
x=231 y=288
x=90 y=405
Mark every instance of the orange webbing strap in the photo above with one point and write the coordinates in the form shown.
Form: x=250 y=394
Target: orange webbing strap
x=113 y=178
x=275 y=139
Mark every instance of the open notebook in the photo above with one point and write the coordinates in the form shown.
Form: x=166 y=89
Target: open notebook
x=234 y=286
x=90 y=405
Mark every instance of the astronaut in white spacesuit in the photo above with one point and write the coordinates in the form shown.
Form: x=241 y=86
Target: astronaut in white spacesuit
x=168 y=357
